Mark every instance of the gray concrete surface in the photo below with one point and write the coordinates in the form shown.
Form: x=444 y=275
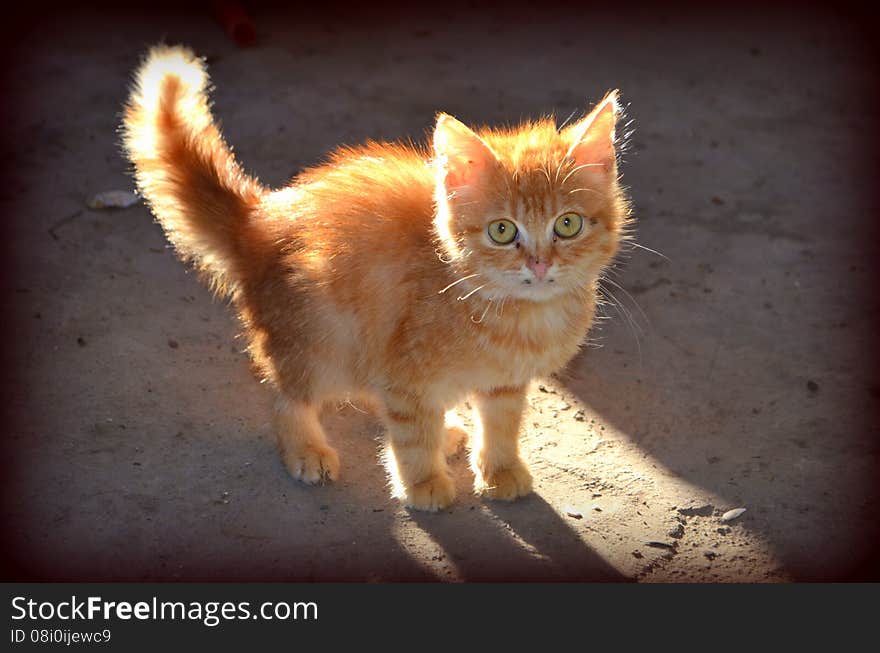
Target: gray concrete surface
x=142 y=448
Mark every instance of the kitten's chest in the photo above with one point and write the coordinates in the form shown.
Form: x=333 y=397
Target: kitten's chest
x=531 y=342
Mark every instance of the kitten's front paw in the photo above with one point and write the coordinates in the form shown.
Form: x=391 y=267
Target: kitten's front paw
x=312 y=464
x=505 y=484
x=434 y=494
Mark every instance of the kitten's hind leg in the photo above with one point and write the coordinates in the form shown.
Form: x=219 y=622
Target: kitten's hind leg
x=500 y=472
x=416 y=456
x=456 y=435
x=302 y=443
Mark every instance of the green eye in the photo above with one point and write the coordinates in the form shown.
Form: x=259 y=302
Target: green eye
x=568 y=225
x=502 y=231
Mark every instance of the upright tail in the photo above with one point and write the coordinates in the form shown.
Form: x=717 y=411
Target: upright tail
x=183 y=168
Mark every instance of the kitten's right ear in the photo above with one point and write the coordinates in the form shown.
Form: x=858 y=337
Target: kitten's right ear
x=464 y=156
x=592 y=139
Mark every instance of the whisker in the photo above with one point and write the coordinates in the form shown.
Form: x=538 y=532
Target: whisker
x=503 y=301
x=547 y=174
x=580 y=167
x=559 y=169
x=631 y=298
x=622 y=310
x=634 y=326
x=461 y=299
x=648 y=249
x=360 y=410
x=486 y=310
x=470 y=276
x=589 y=190
x=565 y=122
x=624 y=314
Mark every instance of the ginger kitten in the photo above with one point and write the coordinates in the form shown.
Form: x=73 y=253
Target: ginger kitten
x=415 y=277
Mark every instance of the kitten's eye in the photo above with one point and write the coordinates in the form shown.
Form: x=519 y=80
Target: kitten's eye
x=568 y=225
x=502 y=231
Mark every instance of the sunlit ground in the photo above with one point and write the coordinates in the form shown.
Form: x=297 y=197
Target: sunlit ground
x=595 y=491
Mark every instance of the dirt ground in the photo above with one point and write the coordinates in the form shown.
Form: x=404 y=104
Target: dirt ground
x=737 y=373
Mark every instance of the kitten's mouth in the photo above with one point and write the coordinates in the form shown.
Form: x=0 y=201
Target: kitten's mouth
x=537 y=290
x=529 y=288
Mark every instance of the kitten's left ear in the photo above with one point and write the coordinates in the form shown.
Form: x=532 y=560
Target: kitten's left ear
x=465 y=157
x=592 y=139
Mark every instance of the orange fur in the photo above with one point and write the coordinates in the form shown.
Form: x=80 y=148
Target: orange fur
x=373 y=274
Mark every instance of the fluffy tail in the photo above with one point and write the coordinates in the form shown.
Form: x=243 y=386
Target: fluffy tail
x=183 y=168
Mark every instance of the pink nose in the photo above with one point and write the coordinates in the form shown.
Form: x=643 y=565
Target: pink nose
x=538 y=267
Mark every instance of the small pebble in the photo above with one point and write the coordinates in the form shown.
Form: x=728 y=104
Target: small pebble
x=812 y=386
x=573 y=512
x=730 y=515
x=659 y=545
x=113 y=199
x=173 y=344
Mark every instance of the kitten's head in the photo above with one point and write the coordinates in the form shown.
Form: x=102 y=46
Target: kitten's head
x=535 y=211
